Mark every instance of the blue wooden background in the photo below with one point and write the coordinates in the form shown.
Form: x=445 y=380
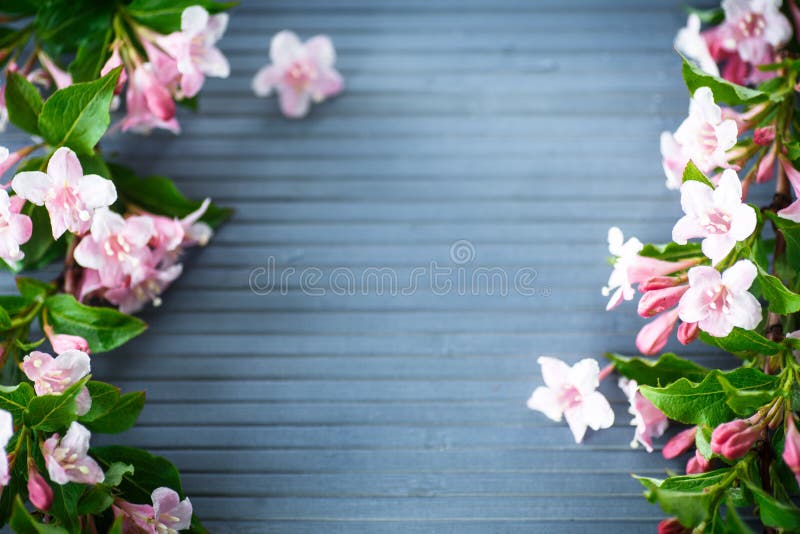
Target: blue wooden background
x=527 y=128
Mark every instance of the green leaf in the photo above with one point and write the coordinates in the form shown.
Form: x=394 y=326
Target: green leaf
x=104 y=398
x=116 y=472
x=745 y=403
x=53 y=413
x=116 y=527
x=692 y=174
x=24 y=103
x=702 y=441
x=121 y=417
x=14 y=304
x=705 y=403
x=150 y=472
x=774 y=513
x=34 y=289
x=61 y=25
x=103 y=328
x=733 y=521
x=686 y=497
x=724 y=91
x=65 y=502
x=791 y=234
x=78 y=116
x=95 y=501
x=91 y=56
x=23 y=523
x=648 y=372
x=159 y=195
x=742 y=341
x=779 y=298
x=5 y=319
x=672 y=251
x=164 y=16
x=15 y=399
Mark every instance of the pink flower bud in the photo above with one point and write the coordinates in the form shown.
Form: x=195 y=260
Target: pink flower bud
x=733 y=439
x=679 y=443
x=791 y=447
x=766 y=166
x=687 y=332
x=658 y=282
x=765 y=135
x=113 y=62
x=658 y=300
x=64 y=342
x=672 y=526
x=643 y=268
x=39 y=491
x=697 y=464
x=653 y=336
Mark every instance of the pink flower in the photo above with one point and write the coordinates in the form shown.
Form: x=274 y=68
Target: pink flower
x=300 y=73
x=697 y=464
x=687 y=332
x=6 y=433
x=691 y=44
x=656 y=301
x=649 y=421
x=112 y=63
x=717 y=215
x=654 y=335
x=70 y=197
x=168 y=514
x=679 y=443
x=39 y=491
x=149 y=103
x=194 y=48
x=718 y=303
x=673 y=160
x=52 y=376
x=792 y=211
x=734 y=438
x=15 y=228
x=61 y=78
x=117 y=248
x=67 y=459
x=791 y=447
x=571 y=392
x=131 y=299
x=64 y=342
x=765 y=135
x=703 y=137
x=754 y=29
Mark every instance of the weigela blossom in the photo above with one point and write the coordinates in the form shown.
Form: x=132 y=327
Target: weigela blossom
x=149 y=103
x=70 y=197
x=300 y=73
x=679 y=443
x=67 y=458
x=6 y=433
x=571 y=392
x=692 y=44
x=63 y=342
x=697 y=464
x=649 y=421
x=717 y=215
x=52 y=376
x=703 y=138
x=39 y=491
x=168 y=514
x=734 y=438
x=653 y=336
x=194 y=48
x=15 y=228
x=791 y=447
x=754 y=29
x=719 y=302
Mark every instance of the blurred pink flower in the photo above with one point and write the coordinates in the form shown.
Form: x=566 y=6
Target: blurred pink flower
x=571 y=392
x=149 y=103
x=697 y=464
x=39 y=491
x=693 y=45
x=70 y=197
x=791 y=447
x=15 y=228
x=300 y=73
x=64 y=342
x=67 y=458
x=754 y=29
x=52 y=376
x=168 y=514
x=679 y=443
x=792 y=211
x=649 y=421
x=653 y=336
x=6 y=433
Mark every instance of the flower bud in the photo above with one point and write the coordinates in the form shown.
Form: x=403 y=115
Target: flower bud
x=113 y=62
x=39 y=491
x=733 y=439
x=64 y=342
x=697 y=464
x=672 y=526
x=687 y=332
x=656 y=301
x=765 y=135
x=658 y=282
x=679 y=443
x=766 y=166
x=791 y=447
x=653 y=336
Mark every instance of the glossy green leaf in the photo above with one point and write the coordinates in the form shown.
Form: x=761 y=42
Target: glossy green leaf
x=91 y=56
x=685 y=497
x=648 y=372
x=121 y=417
x=23 y=102
x=745 y=402
x=149 y=471
x=23 y=523
x=742 y=341
x=779 y=298
x=774 y=513
x=15 y=399
x=54 y=413
x=692 y=174
x=104 y=398
x=164 y=16
x=672 y=251
x=724 y=91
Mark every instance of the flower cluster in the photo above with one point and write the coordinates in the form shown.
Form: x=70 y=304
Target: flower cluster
x=729 y=278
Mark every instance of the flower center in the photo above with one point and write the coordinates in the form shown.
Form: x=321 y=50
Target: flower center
x=719 y=299
x=751 y=25
x=569 y=397
x=299 y=74
x=707 y=138
x=716 y=222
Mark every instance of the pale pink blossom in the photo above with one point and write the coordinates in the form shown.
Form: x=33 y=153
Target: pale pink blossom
x=733 y=439
x=194 y=48
x=300 y=73
x=130 y=299
x=15 y=228
x=653 y=336
x=754 y=29
x=717 y=215
x=114 y=61
x=67 y=458
x=70 y=197
x=52 y=376
x=673 y=160
x=6 y=433
x=571 y=392
x=61 y=78
x=679 y=443
x=691 y=44
x=64 y=342
x=718 y=303
x=149 y=103
x=649 y=421
x=703 y=136
x=792 y=211
x=117 y=248
x=39 y=491
x=791 y=447
x=168 y=514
